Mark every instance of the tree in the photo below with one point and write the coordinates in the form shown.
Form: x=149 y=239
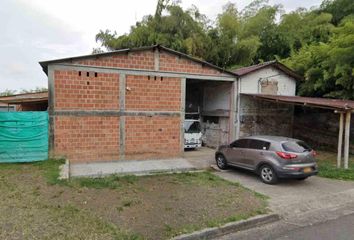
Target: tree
x=8 y=92
x=181 y=30
x=35 y=90
x=328 y=67
x=317 y=43
x=339 y=9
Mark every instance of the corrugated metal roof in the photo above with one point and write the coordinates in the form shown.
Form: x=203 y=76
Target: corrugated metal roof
x=45 y=64
x=25 y=97
x=246 y=70
x=336 y=104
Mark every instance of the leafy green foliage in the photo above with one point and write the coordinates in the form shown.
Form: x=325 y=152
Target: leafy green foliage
x=316 y=43
x=9 y=92
x=328 y=67
x=339 y=9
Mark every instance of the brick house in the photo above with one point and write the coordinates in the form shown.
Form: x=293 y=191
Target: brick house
x=130 y=104
x=127 y=104
x=36 y=101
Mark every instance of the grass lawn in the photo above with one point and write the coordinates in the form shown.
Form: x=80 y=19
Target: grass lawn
x=327 y=162
x=35 y=205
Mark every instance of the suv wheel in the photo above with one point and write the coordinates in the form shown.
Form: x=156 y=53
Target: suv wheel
x=221 y=161
x=268 y=174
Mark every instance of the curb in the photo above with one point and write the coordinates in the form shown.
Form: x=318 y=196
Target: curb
x=210 y=233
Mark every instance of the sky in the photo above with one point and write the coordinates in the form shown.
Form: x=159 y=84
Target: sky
x=37 y=30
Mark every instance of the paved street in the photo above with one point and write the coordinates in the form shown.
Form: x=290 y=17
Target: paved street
x=338 y=229
x=307 y=208
x=293 y=199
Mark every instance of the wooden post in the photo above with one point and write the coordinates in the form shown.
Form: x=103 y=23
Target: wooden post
x=346 y=138
x=340 y=139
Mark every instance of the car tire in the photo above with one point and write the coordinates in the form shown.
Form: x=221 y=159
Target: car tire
x=302 y=179
x=267 y=174
x=221 y=162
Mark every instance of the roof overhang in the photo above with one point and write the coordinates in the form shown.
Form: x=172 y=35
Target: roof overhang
x=250 y=69
x=327 y=103
x=40 y=97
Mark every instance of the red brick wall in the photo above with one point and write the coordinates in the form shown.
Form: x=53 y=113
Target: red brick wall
x=137 y=60
x=152 y=137
x=93 y=138
x=87 y=138
x=153 y=94
x=172 y=63
x=145 y=60
x=73 y=91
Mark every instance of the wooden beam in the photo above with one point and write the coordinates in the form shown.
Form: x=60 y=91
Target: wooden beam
x=346 y=138
x=340 y=139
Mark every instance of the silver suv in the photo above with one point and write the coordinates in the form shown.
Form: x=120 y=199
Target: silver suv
x=271 y=157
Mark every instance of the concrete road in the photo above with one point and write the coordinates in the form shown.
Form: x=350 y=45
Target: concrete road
x=292 y=198
x=299 y=203
x=339 y=229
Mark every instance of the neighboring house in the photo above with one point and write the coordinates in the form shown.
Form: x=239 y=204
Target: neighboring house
x=264 y=117
x=130 y=104
x=4 y=107
x=27 y=101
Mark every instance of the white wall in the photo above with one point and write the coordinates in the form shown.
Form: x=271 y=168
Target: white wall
x=286 y=84
x=217 y=97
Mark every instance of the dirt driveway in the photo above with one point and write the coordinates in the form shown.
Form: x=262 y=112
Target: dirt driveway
x=301 y=202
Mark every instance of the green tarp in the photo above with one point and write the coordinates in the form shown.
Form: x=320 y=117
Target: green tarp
x=23 y=136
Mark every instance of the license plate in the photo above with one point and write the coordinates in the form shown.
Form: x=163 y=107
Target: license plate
x=307 y=170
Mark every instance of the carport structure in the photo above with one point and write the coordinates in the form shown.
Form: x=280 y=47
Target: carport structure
x=343 y=107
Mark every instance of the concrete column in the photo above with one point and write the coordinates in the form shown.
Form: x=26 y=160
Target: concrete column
x=183 y=105
x=233 y=111
x=346 y=138
x=122 y=89
x=51 y=101
x=238 y=108
x=340 y=140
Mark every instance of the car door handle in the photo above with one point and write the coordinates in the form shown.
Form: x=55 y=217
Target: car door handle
x=262 y=153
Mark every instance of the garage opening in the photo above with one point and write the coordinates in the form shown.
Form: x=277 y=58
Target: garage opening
x=207 y=112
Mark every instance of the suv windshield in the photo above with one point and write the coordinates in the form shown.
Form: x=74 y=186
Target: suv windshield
x=191 y=127
x=297 y=147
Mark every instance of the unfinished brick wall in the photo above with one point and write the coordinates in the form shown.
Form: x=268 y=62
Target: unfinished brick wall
x=152 y=137
x=136 y=60
x=146 y=60
x=259 y=117
x=86 y=90
x=153 y=93
x=87 y=138
x=172 y=63
x=83 y=132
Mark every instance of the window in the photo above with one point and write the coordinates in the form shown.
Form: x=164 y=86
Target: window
x=242 y=143
x=192 y=127
x=297 y=147
x=258 y=144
